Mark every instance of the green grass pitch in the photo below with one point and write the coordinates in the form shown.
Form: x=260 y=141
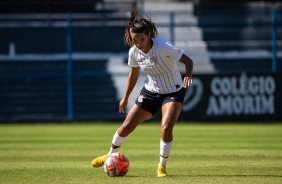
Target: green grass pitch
x=201 y=153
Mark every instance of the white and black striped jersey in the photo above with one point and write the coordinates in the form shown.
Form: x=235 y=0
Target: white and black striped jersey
x=160 y=66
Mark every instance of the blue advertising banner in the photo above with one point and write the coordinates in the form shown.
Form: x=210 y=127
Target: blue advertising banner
x=233 y=97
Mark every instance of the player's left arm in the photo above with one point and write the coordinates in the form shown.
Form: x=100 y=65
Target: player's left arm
x=189 y=69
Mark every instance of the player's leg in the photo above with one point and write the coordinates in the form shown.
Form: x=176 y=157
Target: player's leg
x=170 y=114
x=135 y=116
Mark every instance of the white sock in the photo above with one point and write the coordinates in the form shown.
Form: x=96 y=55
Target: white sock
x=116 y=143
x=165 y=148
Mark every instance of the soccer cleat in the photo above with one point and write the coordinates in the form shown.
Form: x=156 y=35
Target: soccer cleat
x=99 y=161
x=161 y=171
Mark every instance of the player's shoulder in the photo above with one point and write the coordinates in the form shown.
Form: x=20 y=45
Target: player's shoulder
x=132 y=50
x=160 y=42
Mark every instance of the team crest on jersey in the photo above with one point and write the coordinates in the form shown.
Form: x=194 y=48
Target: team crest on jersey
x=140 y=98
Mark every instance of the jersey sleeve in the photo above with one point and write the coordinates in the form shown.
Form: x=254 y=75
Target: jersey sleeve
x=172 y=53
x=131 y=59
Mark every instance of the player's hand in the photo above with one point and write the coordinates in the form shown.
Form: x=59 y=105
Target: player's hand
x=122 y=105
x=187 y=81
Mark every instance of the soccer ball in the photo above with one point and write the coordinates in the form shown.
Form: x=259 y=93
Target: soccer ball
x=116 y=164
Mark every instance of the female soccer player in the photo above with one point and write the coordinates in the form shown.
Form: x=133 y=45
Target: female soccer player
x=163 y=89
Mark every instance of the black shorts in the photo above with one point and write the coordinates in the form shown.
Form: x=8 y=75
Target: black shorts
x=152 y=102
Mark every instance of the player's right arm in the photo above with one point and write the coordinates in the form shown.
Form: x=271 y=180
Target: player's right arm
x=131 y=82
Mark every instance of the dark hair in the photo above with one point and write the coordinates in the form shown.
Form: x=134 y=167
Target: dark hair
x=138 y=24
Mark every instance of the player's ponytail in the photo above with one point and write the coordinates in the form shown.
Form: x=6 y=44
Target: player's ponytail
x=138 y=24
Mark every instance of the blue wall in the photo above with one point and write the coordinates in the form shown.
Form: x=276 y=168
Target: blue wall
x=53 y=39
x=37 y=91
